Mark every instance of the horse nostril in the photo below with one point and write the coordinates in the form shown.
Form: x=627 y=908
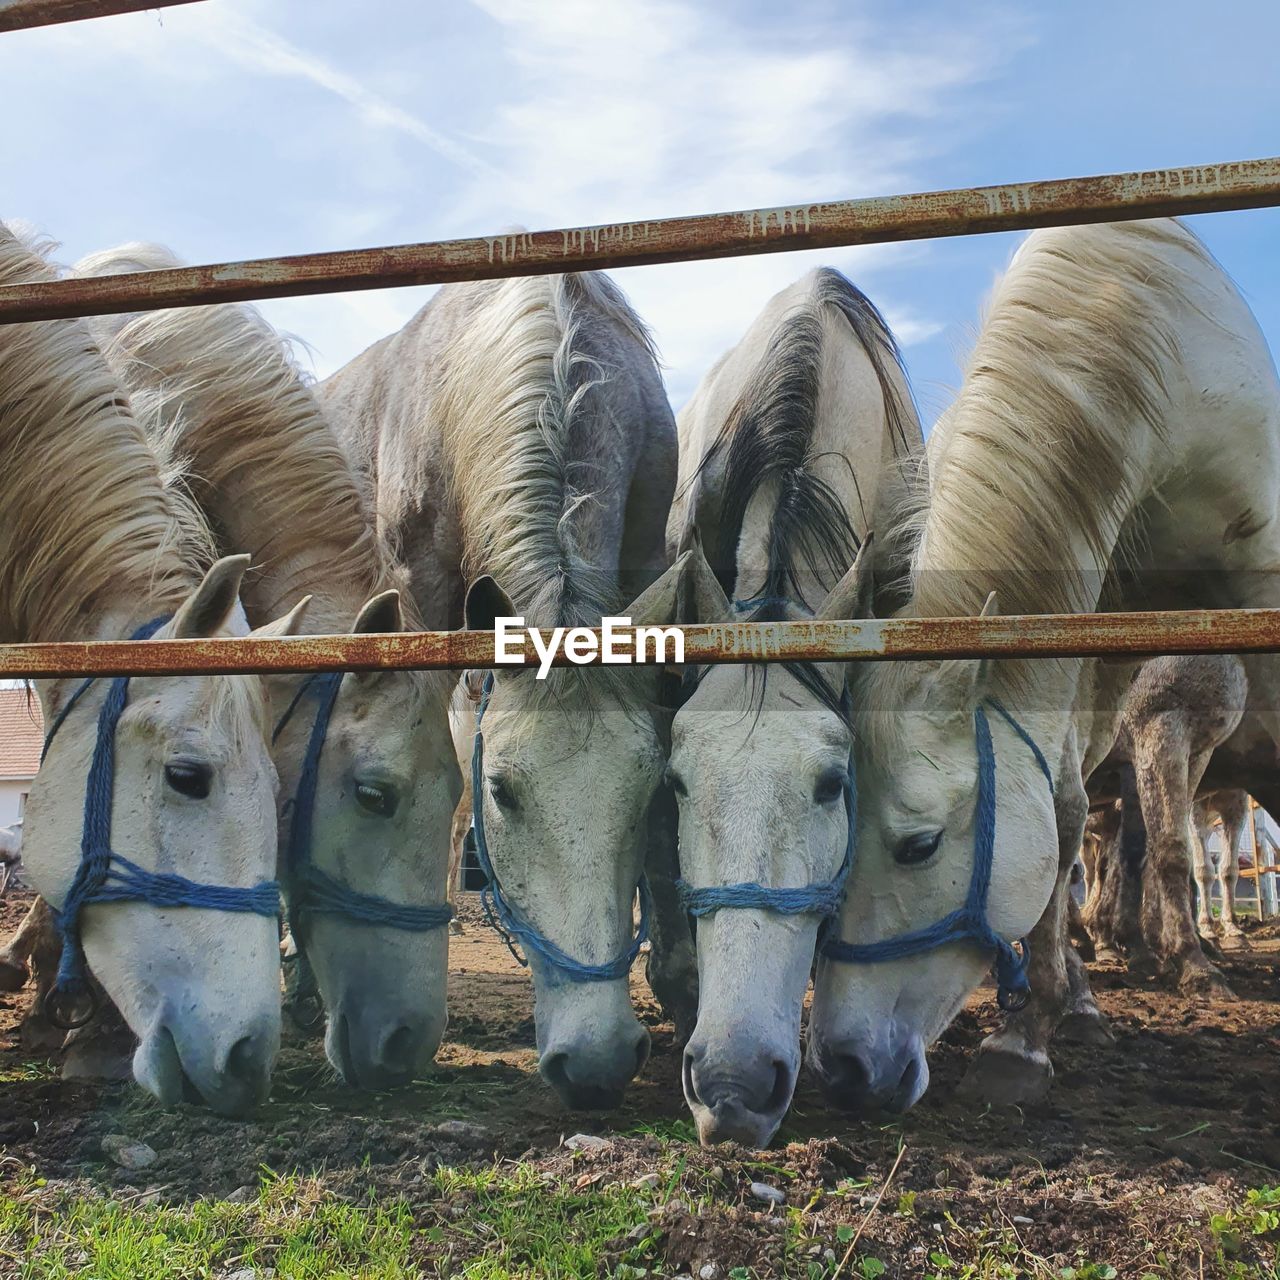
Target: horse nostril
x=555 y=1068
x=780 y=1094
x=845 y=1080
x=399 y=1051
x=244 y=1062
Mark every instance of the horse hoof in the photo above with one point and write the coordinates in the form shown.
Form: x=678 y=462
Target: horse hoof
x=1206 y=983
x=1104 y=953
x=13 y=976
x=97 y=1063
x=1086 y=1026
x=1004 y=1078
x=40 y=1036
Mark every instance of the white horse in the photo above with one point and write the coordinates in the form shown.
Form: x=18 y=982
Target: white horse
x=517 y=435
x=1231 y=807
x=792 y=448
x=10 y=854
x=1118 y=427
x=92 y=547
x=365 y=867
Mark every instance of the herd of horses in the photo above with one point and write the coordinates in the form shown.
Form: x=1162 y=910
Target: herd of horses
x=880 y=833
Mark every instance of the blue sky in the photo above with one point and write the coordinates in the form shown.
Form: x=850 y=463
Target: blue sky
x=243 y=128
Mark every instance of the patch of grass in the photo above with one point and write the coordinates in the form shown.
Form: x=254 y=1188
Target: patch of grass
x=1247 y=1236
x=28 y=1072
x=527 y=1226
x=673 y=1129
x=293 y=1225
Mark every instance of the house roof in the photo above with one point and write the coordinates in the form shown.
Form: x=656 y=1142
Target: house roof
x=21 y=733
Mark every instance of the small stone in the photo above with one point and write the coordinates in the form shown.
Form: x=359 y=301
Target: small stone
x=814 y=1250
x=1022 y=1221
x=828 y=1255
x=463 y=1131
x=717 y=1172
x=865 y=1202
x=775 y=1222
x=587 y=1142
x=242 y=1195
x=708 y=1271
x=770 y=1195
x=647 y=1182
x=127 y=1153
x=641 y=1231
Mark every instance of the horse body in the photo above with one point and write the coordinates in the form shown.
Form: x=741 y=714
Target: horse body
x=792 y=448
x=517 y=432
x=1118 y=426
x=94 y=546
x=216 y=388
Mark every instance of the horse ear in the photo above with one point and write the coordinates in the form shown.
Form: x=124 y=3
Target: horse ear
x=850 y=599
x=486 y=603
x=208 y=609
x=290 y=624
x=380 y=615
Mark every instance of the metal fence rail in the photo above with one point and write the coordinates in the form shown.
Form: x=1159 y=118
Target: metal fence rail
x=18 y=15
x=1036 y=636
x=965 y=211
x=1247 y=184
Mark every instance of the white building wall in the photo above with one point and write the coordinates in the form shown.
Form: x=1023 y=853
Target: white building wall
x=12 y=791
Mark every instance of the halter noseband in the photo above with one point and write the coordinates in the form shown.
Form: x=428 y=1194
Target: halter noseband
x=507 y=920
x=821 y=899
x=969 y=922
x=311 y=890
x=106 y=876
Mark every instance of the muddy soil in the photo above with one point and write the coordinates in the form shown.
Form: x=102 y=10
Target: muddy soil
x=1124 y=1162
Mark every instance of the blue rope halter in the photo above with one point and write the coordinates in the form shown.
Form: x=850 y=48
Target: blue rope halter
x=969 y=922
x=311 y=890
x=509 y=922
x=820 y=899
x=105 y=876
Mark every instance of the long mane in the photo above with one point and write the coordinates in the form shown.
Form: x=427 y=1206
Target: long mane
x=88 y=520
x=1029 y=465
x=768 y=438
x=520 y=390
x=218 y=390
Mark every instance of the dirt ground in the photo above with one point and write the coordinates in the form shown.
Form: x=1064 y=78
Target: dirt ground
x=1117 y=1173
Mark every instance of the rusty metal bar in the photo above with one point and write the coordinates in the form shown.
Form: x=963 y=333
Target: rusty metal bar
x=18 y=15
x=1247 y=184
x=1037 y=636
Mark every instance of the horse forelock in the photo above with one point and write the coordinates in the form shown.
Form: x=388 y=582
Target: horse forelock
x=768 y=439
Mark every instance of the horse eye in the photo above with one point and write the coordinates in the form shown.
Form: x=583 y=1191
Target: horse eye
x=381 y=800
x=830 y=786
x=503 y=795
x=191 y=780
x=674 y=781
x=917 y=849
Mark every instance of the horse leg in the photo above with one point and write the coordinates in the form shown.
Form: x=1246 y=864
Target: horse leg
x=1012 y=1066
x=1166 y=780
x=13 y=959
x=1200 y=832
x=103 y=1049
x=1233 y=809
x=671 y=967
x=457 y=838
x=43 y=950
